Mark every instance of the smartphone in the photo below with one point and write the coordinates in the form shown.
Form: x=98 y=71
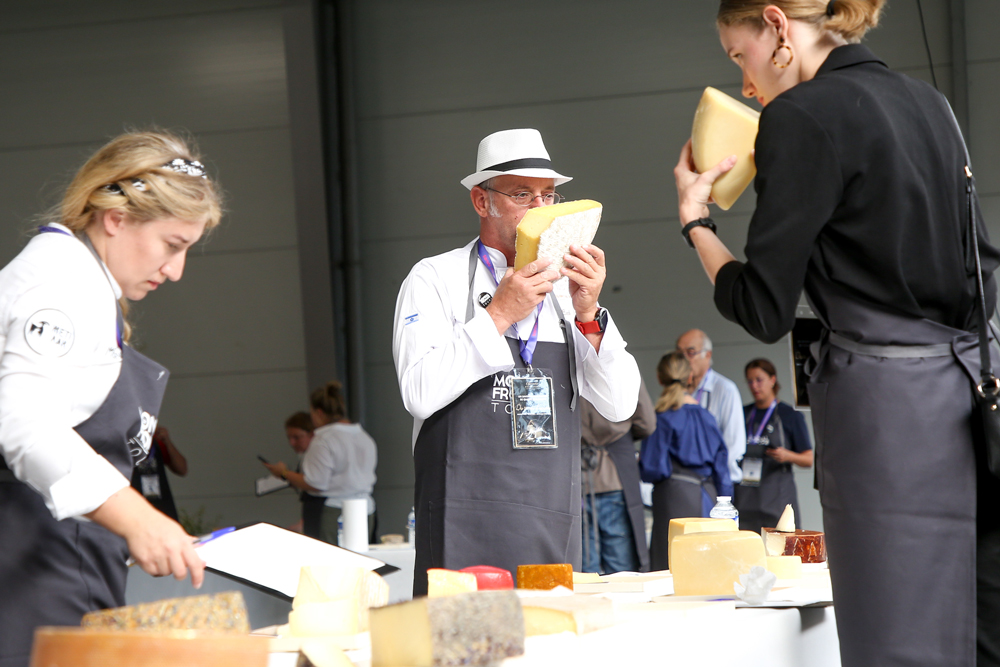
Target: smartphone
x=262 y=459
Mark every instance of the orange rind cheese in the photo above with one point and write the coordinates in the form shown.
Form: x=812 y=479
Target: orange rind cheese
x=545 y=577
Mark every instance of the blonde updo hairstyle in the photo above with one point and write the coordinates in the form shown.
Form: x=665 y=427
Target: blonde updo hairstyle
x=851 y=19
x=674 y=373
x=167 y=193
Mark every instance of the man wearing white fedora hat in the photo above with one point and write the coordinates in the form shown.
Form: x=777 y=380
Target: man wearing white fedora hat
x=491 y=369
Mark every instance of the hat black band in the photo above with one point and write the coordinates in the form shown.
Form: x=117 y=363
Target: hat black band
x=523 y=163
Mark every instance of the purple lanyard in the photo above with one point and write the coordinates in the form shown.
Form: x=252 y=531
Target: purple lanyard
x=701 y=387
x=755 y=438
x=527 y=346
x=118 y=327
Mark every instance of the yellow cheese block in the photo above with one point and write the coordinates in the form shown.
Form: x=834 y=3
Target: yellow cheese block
x=710 y=563
x=689 y=525
x=586 y=578
x=464 y=629
x=572 y=613
x=785 y=567
x=548 y=231
x=325 y=619
x=442 y=582
x=724 y=126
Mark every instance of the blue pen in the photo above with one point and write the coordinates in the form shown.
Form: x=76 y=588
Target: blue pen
x=211 y=536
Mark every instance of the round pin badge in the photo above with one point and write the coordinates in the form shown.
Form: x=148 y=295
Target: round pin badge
x=485 y=299
x=49 y=333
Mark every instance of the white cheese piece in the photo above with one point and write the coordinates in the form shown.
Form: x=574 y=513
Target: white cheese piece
x=785 y=567
x=325 y=619
x=724 y=126
x=710 y=563
x=786 y=524
x=575 y=613
x=441 y=582
x=548 y=231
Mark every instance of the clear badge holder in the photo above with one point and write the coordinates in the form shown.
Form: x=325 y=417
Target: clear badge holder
x=533 y=411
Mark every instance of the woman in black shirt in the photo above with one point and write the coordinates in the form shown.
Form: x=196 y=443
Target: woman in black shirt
x=861 y=203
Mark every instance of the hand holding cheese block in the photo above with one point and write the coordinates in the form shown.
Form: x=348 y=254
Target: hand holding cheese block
x=724 y=126
x=479 y=628
x=549 y=231
x=710 y=563
x=697 y=524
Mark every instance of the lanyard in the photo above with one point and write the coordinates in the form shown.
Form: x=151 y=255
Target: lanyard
x=755 y=438
x=701 y=387
x=118 y=320
x=527 y=346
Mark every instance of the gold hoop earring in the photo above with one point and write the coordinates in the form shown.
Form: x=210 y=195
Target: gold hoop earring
x=774 y=56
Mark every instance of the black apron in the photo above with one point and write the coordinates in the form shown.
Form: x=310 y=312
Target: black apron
x=762 y=505
x=53 y=572
x=150 y=479
x=896 y=469
x=478 y=500
x=680 y=495
x=622 y=452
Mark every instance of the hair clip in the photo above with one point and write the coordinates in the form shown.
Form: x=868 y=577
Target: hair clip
x=830 y=8
x=189 y=167
x=137 y=183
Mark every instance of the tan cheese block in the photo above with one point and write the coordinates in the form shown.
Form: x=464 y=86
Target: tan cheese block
x=724 y=126
x=89 y=647
x=322 y=654
x=710 y=563
x=464 y=629
x=442 y=582
x=333 y=618
x=586 y=578
x=545 y=577
x=785 y=567
x=221 y=612
x=322 y=583
x=697 y=524
x=573 y=613
x=548 y=231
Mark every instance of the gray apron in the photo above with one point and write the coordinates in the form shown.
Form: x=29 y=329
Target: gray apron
x=53 y=572
x=478 y=500
x=622 y=452
x=891 y=401
x=763 y=504
x=683 y=494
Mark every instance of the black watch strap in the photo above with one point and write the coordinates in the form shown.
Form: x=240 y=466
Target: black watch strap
x=700 y=222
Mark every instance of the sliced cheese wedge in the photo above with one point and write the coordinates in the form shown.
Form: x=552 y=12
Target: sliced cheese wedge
x=697 y=524
x=786 y=523
x=549 y=231
x=575 y=613
x=724 y=126
x=442 y=582
x=333 y=618
x=710 y=563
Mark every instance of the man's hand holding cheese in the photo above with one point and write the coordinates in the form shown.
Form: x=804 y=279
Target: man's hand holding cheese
x=482 y=350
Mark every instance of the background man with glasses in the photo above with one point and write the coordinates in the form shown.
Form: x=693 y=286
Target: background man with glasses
x=467 y=330
x=717 y=394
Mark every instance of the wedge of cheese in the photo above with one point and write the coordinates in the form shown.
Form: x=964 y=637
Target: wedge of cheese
x=221 y=612
x=690 y=525
x=578 y=614
x=322 y=584
x=545 y=577
x=785 y=567
x=333 y=618
x=465 y=629
x=441 y=582
x=710 y=563
x=549 y=231
x=724 y=126
x=489 y=578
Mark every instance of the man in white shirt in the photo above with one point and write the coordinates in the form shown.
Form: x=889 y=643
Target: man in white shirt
x=717 y=394
x=470 y=337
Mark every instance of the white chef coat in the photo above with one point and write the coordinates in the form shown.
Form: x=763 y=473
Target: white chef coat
x=720 y=396
x=438 y=355
x=340 y=464
x=60 y=358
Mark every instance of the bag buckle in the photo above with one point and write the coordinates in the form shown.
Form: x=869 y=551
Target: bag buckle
x=989 y=389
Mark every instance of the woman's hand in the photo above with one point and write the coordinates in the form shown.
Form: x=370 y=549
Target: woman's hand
x=779 y=454
x=278 y=469
x=157 y=543
x=694 y=190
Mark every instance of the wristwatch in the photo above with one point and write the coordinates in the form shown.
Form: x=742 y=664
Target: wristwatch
x=700 y=222
x=597 y=325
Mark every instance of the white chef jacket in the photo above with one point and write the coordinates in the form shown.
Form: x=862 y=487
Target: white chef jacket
x=438 y=355
x=720 y=396
x=59 y=360
x=340 y=464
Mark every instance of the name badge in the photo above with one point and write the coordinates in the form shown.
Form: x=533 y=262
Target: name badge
x=752 y=470
x=150 y=486
x=533 y=412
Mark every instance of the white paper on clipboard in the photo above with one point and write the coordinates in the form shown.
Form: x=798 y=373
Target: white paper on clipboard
x=269 y=484
x=272 y=557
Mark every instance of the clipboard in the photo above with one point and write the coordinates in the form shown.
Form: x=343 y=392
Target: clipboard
x=269 y=559
x=269 y=484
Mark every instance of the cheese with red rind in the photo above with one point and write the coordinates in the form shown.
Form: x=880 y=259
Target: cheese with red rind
x=489 y=578
x=810 y=545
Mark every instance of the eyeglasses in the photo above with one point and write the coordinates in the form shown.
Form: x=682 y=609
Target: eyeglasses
x=525 y=198
x=692 y=353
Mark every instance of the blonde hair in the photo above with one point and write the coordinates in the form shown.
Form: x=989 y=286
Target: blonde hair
x=110 y=180
x=329 y=399
x=674 y=373
x=851 y=19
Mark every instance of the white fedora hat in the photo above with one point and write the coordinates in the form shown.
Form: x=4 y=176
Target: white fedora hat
x=518 y=152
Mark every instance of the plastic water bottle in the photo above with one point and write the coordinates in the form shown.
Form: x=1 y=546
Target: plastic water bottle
x=411 y=527
x=724 y=509
x=340 y=531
